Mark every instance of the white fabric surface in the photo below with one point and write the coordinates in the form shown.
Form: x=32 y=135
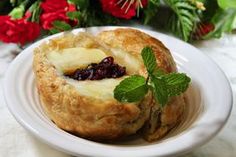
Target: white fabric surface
x=15 y=141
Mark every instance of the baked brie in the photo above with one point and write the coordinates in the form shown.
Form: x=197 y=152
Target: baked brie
x=87 y=108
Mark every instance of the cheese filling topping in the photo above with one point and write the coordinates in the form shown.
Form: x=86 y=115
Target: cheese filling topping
x=100 y=89
x=70 y=59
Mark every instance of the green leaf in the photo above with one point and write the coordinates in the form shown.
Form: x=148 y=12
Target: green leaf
x=155 y=2
x=176 y=83
x=158 y=72
x=82 y=4
x=211 y=9
x=35 y=10
x=131 y=89
x=151 y=10
x=168 y=85
x=184 y=18
x=74 y=15
x=225 y=4
x=18 y=12
x=149 y=59
x=223 y=21
x=95 y=16
x=163 y=85
x=54 y=31
x=159 y=90
x=16 y=2
x=61 y=25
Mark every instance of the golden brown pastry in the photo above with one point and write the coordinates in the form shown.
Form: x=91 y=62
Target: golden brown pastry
x=87 y=108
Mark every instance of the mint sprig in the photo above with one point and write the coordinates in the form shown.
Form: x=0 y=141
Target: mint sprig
x=149 y=59
x=158 y=87
x=131 y=89
x=162 y=85
x=176 y=83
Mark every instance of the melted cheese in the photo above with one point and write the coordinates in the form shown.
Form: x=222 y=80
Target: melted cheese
x=68 y=60
x=131 y=63
x=100 y=89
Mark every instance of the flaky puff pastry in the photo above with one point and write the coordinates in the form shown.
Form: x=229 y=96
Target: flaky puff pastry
x=105 y=119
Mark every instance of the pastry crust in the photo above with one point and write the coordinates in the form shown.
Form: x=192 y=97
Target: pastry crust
x=96 y=118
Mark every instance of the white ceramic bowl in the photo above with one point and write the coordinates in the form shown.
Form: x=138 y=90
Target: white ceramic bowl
x=210 y=85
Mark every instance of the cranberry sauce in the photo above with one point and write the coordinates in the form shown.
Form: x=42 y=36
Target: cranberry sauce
x=105 y=69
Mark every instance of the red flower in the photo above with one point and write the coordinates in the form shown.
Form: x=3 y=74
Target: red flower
x=121 y=8
x=18 y=31
x=53 y=5
x=53 y=11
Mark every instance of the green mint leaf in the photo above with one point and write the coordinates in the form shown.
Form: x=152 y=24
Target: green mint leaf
x=163 y=86
x=168 y=85
x=131 y=89
x=176 y=83
x=149 y=59
x=158 y=72
x=159 y=90
x=61 y=25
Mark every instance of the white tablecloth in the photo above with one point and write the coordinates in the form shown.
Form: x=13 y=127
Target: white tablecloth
x=15 y=141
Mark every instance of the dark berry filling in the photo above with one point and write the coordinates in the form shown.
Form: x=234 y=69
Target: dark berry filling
x=105 y=69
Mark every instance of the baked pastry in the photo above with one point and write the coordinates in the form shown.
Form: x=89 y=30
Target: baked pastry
x=87 y=107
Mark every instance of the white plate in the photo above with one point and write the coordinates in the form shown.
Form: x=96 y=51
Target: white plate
x=213 y=91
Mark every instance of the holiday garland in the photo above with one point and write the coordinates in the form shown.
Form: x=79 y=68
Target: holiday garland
x=23 y=21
